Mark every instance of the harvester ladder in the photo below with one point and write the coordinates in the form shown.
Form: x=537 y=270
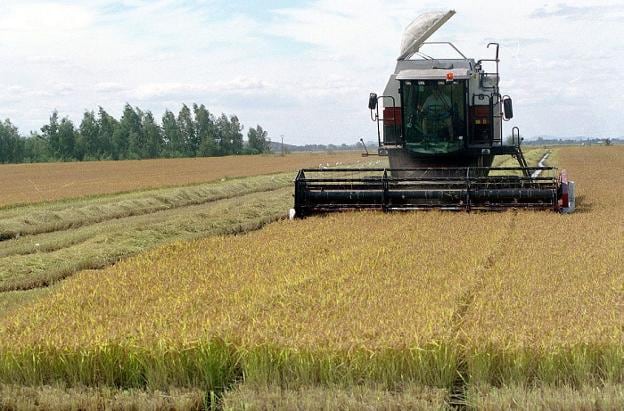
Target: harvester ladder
x=522 y=161
x=517 y=140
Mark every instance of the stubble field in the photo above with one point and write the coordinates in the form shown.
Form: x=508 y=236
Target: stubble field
x=32 y=183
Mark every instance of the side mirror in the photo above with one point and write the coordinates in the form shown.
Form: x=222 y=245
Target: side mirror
x=507 y=108
x=372 y=101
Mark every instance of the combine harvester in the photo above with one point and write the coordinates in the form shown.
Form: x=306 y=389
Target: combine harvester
x=441 y=127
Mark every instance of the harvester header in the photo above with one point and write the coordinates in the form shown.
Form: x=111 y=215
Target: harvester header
x=440 y=123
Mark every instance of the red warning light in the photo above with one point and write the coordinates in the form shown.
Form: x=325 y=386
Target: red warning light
x=450 y=76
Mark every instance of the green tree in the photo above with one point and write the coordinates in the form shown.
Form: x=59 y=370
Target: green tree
x=67 y=139
x=137 y=141
x=153 y=136
x=90 y=136
x=37 y=149
x=51 y=135
x=106 y=129
x=258 y=140
x=229 y=135
x=236 y=133
x=194 y=131
x=205 y=131
x=11 y=144
x=128 y=137
x=186 y=126
x=223 y=140
x=174 y=145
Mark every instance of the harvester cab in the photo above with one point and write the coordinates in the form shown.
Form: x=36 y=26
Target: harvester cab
x=440 y=123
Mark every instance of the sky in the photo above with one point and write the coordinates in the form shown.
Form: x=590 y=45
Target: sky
x=302 y=69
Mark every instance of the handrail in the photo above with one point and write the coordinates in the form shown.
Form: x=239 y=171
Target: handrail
x=448 y=43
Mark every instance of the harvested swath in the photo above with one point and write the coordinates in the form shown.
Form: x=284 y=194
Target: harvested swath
x=64 y=215
x=354 y=398
x=27 y=183
x=53 y=398
x=595 y=397
x=341 y=299
x=41 y=260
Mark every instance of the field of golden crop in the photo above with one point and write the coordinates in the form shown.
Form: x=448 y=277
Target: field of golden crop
x=265 y=301
x=431 y=298
x=28 y=183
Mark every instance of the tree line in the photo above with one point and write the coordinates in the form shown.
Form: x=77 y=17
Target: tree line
x=194 y=132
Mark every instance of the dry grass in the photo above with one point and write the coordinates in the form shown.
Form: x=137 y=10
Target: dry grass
x=355 y=398
x=253 y=398
x=584 y=398
x=28 y=183
x=53 y=398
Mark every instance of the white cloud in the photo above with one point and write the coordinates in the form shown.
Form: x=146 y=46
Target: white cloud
x=109 y=87
x=45 y=17
x=583 y=12
x=304 y=72
x=179 y=90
